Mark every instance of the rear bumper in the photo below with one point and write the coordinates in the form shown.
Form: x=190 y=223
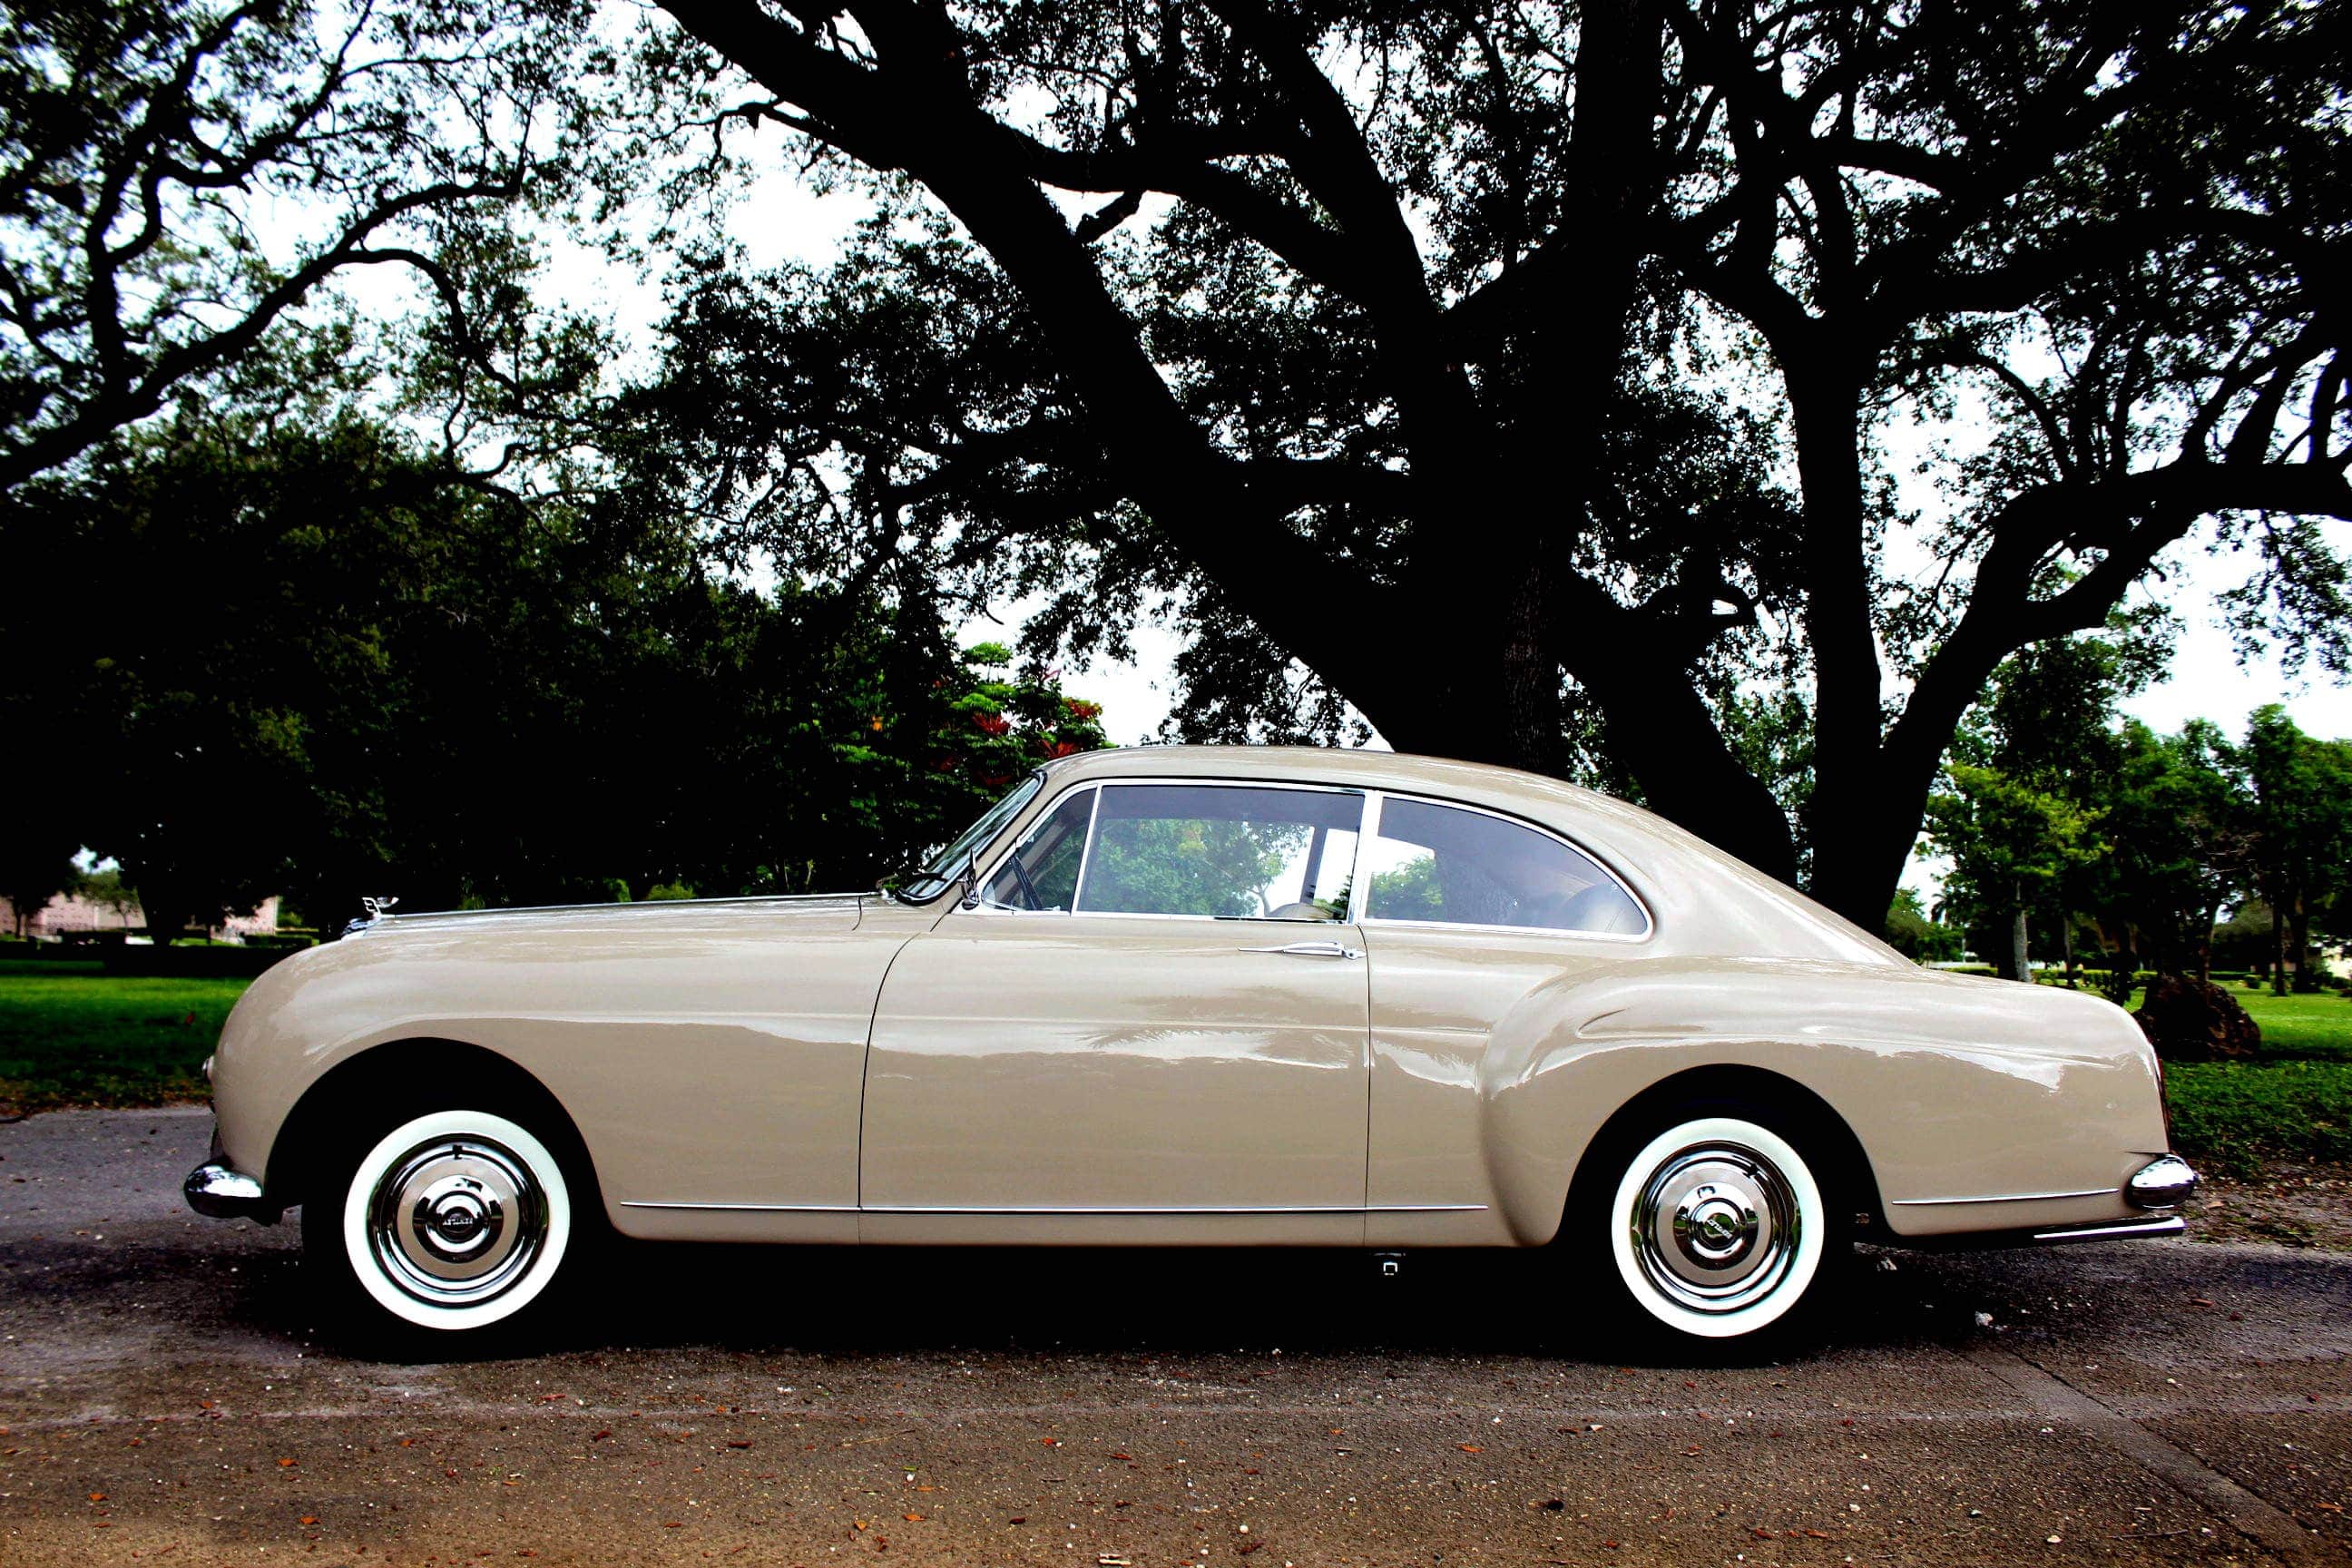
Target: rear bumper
x=2162 y=1184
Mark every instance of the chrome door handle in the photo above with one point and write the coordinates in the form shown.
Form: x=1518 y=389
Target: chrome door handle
x=1312 y=950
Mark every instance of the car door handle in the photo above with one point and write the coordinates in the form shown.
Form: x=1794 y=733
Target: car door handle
x=1312 y=950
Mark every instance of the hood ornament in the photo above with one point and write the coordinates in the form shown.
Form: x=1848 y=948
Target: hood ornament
x=377 y=908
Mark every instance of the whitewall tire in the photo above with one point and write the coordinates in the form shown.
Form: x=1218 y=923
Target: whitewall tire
x=455 y=1220
x=1717 y=1228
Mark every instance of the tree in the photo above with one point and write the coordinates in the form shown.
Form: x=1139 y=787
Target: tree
x=178 y=177
x=2041 y=742
x=1917 y=936
x=2176 y=821
x=1406 y=320
x=331 y=667
x=2009 y=844
x=2301 y=827
x=35 y=860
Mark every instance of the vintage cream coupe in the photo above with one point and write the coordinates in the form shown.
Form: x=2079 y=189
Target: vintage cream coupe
x=1189 y=995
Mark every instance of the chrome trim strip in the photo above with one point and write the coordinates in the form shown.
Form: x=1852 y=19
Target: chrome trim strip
x=2008 y=1198
x=746 y=1208
x=1138 y=1213
x=1086 y=847
x=392 y=920
x=1185 y=1210
x=2170 y=1224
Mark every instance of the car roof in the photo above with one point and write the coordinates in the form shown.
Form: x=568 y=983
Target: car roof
x=1714 y=900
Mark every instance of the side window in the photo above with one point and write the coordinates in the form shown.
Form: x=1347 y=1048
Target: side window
x=1228 y=851
x=1042 y=874
x=1463 y=868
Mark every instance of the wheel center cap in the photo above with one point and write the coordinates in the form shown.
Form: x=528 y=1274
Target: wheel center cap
x=1716 y=1226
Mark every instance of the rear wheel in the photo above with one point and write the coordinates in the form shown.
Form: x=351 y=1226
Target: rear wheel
x=449 y=1222
x=1716 y=1224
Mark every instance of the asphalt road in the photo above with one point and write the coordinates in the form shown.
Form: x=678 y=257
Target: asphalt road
x=164 y=1399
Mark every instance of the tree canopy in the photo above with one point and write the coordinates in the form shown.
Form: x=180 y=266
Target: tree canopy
x=1531 y=374
x=1539 y=382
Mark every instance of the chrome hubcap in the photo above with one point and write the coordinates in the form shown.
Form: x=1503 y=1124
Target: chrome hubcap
x=1716 y=1227
x=455 y=1221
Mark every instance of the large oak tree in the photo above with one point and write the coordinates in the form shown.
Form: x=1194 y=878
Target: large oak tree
x=1391 y=339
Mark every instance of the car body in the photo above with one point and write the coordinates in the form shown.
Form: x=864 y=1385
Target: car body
x=1143 y=1003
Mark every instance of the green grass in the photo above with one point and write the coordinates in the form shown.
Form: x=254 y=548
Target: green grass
x=2230 y=1117
x=2313 y=1028
x=71 y=1035
x=2292 y=1102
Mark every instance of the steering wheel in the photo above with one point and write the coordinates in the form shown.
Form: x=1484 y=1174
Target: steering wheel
x=1028 y=888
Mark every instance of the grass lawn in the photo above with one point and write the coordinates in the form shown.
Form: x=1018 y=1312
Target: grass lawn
x=70 y=1034
x=2294 y=1102
x=2316 y=1027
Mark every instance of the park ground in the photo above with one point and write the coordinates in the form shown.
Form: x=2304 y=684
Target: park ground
x=165 y=1398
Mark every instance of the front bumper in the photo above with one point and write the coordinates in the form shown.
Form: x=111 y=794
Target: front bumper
x=218 y=1191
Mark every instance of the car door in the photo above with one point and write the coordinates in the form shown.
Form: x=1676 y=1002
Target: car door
x=1464 y=911
x=1152 y=1020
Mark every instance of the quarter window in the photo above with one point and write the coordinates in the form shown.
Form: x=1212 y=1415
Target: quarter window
x=1229 y=852
x=1438 y=864
x=1042 y=874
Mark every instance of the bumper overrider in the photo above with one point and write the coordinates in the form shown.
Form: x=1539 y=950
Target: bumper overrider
x=218 y=1190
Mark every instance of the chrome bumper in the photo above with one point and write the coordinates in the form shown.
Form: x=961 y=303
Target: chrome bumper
x=217 y=1192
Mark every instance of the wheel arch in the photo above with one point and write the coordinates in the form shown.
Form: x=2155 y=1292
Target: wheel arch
x=1813 y=1120
x=400 y=1073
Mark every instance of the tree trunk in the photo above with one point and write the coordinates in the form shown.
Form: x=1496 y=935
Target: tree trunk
x=2205 y=943
x=2066 y=944
x=2278 y=947
x=2300 y=938
x=2020 y=964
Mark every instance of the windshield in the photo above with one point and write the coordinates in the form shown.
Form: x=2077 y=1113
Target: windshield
x=950 y=862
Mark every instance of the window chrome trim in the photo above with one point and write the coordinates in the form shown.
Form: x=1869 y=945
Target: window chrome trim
x=1364 y=913
x=1365 y=794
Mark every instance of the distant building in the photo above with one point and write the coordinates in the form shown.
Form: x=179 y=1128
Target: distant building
x=69 y=914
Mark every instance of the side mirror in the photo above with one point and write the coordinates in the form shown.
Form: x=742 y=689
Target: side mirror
x=970 y=879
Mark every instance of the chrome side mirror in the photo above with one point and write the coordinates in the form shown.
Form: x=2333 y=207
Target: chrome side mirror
x=970 y=880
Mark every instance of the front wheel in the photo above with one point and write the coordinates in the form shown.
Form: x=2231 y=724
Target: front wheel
x=451 y=1221
x=1716 y=1226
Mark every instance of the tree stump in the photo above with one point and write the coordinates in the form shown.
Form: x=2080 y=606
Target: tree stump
x=2192 y=1020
